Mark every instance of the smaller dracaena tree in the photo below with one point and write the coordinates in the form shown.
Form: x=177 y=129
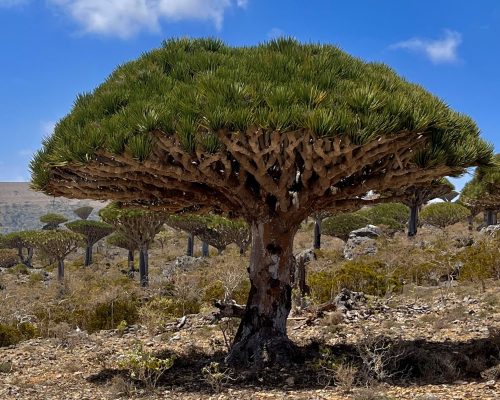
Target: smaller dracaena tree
x=52 y=221
x=56 y=245
x=482 y=193
x=83 y=212
x=417 y=196
x=21 y=242
x=318 y=219
x=214 y=230
x=139 y=226
x=92 y=231
x=124 y=242
x=443 y=214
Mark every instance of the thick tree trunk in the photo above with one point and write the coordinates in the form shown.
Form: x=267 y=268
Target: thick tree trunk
x=317 y=233
x=131 y=268
x=261 y=336
x=413 y=221
x=60 y=270
x=204 y=249
x=88 y=256
x=190 y=245
x=144 y=267
x=491 y=217
x=470 y=220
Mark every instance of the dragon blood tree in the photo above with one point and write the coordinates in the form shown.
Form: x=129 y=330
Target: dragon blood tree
x=21 y=242
x=83 y=212
x=92 y=231
x=139 y=226
x=482 y=192
x=56 y=245
x=124 y=242
x=271 y=133
x=214 y=230
x=418 y=195
x=52 y=221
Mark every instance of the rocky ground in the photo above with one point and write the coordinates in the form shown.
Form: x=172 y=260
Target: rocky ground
x=458 y=326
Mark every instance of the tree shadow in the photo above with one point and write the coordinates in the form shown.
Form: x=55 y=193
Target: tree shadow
x=404 y=362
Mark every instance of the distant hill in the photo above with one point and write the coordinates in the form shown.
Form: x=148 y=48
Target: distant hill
x=21 y=207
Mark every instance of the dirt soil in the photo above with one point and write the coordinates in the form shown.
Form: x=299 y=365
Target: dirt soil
x=459 y=326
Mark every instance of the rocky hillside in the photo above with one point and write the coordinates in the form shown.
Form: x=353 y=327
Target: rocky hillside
x=21 y=207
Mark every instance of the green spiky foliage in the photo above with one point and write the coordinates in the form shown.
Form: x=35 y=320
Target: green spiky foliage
x=20 y=241
x=482 y=192
x=443 y=214
x=52 y=221
x=92 y=231
x=83 y=212
x=272 y=133
x=56 y=245
x=215 y=230
x=139 y=226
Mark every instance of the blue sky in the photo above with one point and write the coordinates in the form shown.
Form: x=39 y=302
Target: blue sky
x=50 y=50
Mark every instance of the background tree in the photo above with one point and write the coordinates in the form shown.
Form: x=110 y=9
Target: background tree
x=443 y=214
x=52 y=221
x=92 y=231
x=83 y=212
x=56 y=245
x=482 y=192
x=318 y=219
x=124 y=242
x=137 y=225
x=20 y=241
x=271 y=133
x=417 y=196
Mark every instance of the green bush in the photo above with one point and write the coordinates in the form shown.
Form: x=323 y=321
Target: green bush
x=369 y=277
x=443 y=214
x=160 y=310
x=19 y=269
x=11 y=334
x=392 y=215
x=341 y=225
x=480 y=262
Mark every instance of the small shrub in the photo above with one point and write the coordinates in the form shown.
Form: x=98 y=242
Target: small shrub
x=160 y=310
x=19 y=269
x=9 y=335
x=369 y=277
x=443 y=214
x=144 y=367
x=216 y=376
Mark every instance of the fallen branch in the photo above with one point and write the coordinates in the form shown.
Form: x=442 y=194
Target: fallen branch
x=228 y=310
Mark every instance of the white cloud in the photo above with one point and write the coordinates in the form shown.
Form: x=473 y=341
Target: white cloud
x=12 y=3
x=125 y=18
x=275 y=33
x=443 y=50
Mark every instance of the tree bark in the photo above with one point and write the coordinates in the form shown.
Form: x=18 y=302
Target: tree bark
x=317 y=233
x=261 y=336
x=144 y=267
x=190 y=245
x=413 y=221
x=470 y=221
x=88 y=256
x=491 y=217
x=204 y=249
x=131 y=268
x=60 y=270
